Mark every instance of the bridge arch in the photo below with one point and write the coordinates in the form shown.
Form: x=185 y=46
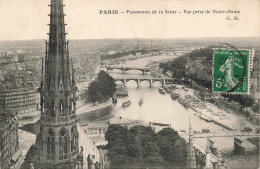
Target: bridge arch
x=139 y=80
x=124 y=69
x=147 y=80
x=135 y=80
x=161 y=81
x=120 y=80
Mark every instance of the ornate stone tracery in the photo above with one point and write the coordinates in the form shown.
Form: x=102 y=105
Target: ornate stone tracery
x=58 y=138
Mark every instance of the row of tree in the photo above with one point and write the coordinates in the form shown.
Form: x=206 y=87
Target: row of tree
x=176 y=66
x=141 y=147
x=102 y=88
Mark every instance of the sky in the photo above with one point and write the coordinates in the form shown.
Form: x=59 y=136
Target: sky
x=28 y=19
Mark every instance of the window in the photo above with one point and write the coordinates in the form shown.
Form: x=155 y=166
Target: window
x=50 y=142
x=74 y=139
x=41 y=138
x=63 y=140
x=52 y=108
x=61 y=108
x=71 y=106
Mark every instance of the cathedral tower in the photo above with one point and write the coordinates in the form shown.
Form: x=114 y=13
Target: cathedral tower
x=58 y=138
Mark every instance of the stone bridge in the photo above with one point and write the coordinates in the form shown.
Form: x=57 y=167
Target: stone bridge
x=239 y=139
x=226 y=134
x=124 y=69
x=138 y=80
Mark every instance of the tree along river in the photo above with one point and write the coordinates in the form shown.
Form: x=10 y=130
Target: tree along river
x=161 y=108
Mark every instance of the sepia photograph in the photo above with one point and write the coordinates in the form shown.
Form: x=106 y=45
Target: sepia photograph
x=129 y=84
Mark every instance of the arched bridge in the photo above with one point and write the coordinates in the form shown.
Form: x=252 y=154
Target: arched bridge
x=124 y=69
x=239 y=138
x=227 y=134
x=138 y=80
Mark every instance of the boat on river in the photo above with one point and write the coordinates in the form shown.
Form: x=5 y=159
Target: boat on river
x=174 y=87
x=184 y=103
x=174 y=96
x=127 y=103
x=141 y=102
x=205 y=130
x=206 y=118
x=167 y=89
x=161 y=90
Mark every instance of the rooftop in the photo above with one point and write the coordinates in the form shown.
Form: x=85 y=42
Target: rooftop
x=6 y=116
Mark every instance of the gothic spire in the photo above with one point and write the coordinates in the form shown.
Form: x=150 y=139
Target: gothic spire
x=58 y=138
x=58 y=77
x=72 y=70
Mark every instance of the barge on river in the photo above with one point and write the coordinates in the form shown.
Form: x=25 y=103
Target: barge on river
x=127 y=103
x=206 y=118
x=174 y=96
x=167 y=89
x=161 y=90
x=184 y=103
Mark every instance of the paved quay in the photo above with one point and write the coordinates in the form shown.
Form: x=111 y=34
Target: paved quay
x=83 y=107
x=26 y=140
x=212 y=113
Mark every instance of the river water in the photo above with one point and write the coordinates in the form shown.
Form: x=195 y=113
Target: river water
x=161 y=108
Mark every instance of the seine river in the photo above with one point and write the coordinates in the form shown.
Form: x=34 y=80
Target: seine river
x=161 y=108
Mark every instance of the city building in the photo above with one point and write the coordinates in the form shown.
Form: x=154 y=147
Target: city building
x=19 y=98
x=96 y=129
x=255 y=78
x=88 y=67
x=22 y=57
x=227 y=105
x=201 y=92
x=10 y=156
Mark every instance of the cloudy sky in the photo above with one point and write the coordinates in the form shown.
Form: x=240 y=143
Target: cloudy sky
x=27 y=19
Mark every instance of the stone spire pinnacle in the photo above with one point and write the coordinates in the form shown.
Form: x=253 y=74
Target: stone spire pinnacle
x=58 y=70
x=191 y=162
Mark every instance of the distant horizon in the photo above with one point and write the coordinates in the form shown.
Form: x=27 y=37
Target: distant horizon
x=137 y=38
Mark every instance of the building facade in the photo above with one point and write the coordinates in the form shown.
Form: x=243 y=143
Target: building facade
x=201 y=92
x=88 y=67
x=255 y=78
x=18 y=98
x=59 y=137
x=9 y=153
x=227 y=105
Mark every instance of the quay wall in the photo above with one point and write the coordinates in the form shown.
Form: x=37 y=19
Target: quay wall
x=214 y=121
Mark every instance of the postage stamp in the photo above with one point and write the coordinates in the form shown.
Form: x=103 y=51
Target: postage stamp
x=231 y=71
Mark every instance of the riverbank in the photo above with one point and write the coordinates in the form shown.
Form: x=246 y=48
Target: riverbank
x=26 y=140
x=209 y=119
x=29 y=118
x=212 y=113
x=83 y=108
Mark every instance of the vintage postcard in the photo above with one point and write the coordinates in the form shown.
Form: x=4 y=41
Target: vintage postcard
x=118 y=84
